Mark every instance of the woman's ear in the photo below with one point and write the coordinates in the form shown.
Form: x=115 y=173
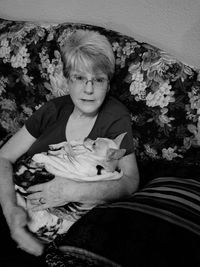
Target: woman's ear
x=67 y=79
x=108 y=88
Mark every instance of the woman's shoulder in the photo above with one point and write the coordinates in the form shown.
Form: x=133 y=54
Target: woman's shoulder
x=113 y=106
x=60 y=103
x=54 y=108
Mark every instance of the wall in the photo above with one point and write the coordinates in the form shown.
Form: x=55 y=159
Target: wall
x=172 y=25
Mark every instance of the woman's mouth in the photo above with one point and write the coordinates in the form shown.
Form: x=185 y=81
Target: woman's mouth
x=89 y=100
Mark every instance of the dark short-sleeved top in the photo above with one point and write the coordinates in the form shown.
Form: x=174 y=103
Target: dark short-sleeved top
x=48 y=123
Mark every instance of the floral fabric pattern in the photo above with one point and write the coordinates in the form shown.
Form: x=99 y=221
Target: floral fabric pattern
x=161 y=93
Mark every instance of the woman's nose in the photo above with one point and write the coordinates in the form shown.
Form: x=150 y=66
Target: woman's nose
x=89 y=89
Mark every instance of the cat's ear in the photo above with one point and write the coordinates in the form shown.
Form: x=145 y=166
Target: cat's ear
x=119 y=139
x=115 y=154
x=112 y=157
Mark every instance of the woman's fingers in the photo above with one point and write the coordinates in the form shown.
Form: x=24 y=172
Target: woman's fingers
x=39 y=207
x=35 y=188
x=57 y=146
x=34 y=196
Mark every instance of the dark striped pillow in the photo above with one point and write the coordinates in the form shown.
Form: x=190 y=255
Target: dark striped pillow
x=176 y=200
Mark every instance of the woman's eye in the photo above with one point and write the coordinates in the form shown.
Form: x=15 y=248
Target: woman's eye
x=100 y=80
x=79 y=78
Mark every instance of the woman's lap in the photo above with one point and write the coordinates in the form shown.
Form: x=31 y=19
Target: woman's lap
x=138 y=240
x=130 y=238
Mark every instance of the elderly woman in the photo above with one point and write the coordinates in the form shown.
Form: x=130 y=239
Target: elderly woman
x=88 y=111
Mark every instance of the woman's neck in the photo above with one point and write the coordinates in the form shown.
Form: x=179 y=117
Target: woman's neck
x=79 y=126
x=77 y=114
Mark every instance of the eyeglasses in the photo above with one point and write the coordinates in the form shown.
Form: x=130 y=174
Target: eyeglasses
x=97 y=82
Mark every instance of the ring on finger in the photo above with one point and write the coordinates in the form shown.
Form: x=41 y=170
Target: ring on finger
x=42 y=200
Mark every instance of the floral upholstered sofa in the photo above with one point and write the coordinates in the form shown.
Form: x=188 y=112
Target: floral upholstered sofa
x=161 y=93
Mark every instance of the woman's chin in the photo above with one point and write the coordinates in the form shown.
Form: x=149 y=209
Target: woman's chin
x=89 y=107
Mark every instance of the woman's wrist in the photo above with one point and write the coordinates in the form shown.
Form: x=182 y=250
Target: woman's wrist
x=71 y=190
x=86 y=192
x=8 y=206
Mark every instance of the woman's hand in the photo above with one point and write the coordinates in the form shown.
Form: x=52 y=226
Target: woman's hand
x=60 y=190
x=17 y=221
x=54 y=193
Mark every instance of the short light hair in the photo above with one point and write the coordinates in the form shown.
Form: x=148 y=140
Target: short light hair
x=89 y=49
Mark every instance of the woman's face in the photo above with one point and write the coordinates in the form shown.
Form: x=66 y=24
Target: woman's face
x=87 y=90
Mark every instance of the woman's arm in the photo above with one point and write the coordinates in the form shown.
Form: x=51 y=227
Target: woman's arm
x=9 y=153
x=16 y=217
x=60 y=190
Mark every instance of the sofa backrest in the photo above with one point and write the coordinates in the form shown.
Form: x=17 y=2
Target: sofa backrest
x=161 y=93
